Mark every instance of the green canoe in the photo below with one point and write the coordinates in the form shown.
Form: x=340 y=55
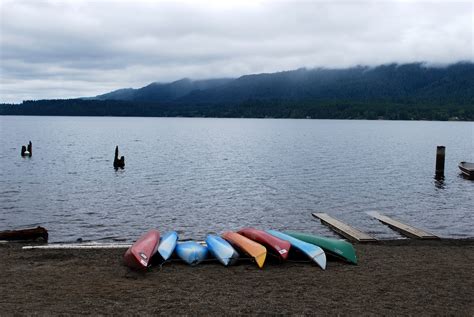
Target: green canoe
x=339 y=248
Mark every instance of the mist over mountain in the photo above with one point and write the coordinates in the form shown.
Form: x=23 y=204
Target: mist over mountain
x=163 y=92
x=388 y=82
x=406 y=91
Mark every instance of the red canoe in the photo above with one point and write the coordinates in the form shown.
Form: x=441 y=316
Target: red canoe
x=140 y=253
x=279 y=246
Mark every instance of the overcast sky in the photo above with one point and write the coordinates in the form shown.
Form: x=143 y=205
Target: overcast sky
x=62 y=49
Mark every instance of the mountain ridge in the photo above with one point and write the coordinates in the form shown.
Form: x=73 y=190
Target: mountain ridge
x=392 y=91
x=359 y=82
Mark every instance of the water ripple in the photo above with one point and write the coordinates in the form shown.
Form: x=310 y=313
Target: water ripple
x=198 y=176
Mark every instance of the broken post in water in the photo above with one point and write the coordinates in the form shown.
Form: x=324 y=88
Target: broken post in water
x=26 y=151
x=118 y=162
x=440 y=155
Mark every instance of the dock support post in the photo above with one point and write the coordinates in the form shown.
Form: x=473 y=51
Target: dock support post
x=440 y=155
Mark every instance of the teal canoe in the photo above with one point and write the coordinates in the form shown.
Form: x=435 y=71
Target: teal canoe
x=338 y=248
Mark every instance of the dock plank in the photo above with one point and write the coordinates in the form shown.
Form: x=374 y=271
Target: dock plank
x=403 y=228
x=343 y=229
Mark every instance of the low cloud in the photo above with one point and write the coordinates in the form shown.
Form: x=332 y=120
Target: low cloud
x=59 y=49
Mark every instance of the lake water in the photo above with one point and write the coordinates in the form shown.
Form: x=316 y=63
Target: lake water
x=199 y=176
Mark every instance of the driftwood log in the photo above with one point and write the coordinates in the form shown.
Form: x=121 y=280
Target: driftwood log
x=31 y=234
x=118 y=162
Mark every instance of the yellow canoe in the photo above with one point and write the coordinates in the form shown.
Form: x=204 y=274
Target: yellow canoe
x=252 y=248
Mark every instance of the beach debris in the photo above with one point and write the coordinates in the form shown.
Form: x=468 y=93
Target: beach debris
x=27 y=151
x=118 y=162
x=30 y=234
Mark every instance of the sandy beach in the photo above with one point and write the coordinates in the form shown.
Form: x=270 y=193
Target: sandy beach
x=393 y=278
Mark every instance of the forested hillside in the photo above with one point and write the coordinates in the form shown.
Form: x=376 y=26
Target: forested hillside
x=395 y=92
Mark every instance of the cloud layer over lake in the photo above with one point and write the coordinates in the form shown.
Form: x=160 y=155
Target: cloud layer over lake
x=61 y=49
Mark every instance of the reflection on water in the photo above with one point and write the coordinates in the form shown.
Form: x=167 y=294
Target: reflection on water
x=199 y=176
x=439 y=182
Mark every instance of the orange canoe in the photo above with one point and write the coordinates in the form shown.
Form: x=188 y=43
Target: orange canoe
x=252 y=248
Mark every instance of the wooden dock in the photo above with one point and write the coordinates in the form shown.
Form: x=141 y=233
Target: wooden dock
x=343 y=229
x=404 y=229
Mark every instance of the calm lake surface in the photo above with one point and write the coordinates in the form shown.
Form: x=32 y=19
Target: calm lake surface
x=199 y=176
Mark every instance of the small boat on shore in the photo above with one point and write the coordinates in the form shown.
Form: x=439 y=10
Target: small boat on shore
x=314 y=252
x=221 y=250
x=339 y=248
x=257 y=251
x=191 y=252
x=467 y=169
x=167 y=244
x=278 y=246
x=30 y=234
x=139 y=254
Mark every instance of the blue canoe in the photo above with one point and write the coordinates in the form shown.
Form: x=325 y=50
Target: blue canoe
x=167 y=244
x=191 y=252
x=221 y=250
x=314 y=252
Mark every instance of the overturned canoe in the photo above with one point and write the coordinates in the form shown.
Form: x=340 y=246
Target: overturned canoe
x=221 y=250
x=257 y=251
x=191 y=252
x=140 y=253
x=30 y=234
x=339 y=248
x=314 y=252
x=278 y=246
x=167 y=244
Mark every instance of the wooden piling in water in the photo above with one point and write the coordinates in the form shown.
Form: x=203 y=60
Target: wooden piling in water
x=26 y=150
x=118 y=162
x=440 y=158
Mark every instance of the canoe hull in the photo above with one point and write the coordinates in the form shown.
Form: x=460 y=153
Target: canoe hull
x=257 y=251
x=139 y=254
x=167 y=244
x=467 y=169
x=315 y=253
x=339 y=248
x=280 y=247
x=191 y=252
x=221 y=250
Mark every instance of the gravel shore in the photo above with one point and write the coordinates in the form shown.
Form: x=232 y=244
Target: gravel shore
x=393 y=278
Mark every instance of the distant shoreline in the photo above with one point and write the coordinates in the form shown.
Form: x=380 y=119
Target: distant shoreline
x=259 y=118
